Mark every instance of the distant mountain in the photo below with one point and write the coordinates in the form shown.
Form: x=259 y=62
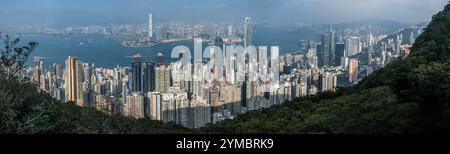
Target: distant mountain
x=290 y=36
x=407 y=34
x=423 y=24
x=410 y=95
x=385 y=24
x=376 y=27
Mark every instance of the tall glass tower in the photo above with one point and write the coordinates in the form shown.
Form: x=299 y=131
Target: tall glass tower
x=150 y=27
x=149 y=77
x=136 y=70
x=247 y=32
x=327 y=49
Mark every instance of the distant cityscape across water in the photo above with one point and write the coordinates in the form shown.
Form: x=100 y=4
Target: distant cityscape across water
x=106 y=52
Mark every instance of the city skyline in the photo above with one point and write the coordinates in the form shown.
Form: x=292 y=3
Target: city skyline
x=226 y=79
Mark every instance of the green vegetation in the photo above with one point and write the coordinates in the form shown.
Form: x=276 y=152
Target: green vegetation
x=410 y=95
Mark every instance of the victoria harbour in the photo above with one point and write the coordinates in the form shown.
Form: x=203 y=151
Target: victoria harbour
x=106 y=52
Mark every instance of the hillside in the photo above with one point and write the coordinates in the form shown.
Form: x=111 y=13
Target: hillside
x=411 y=95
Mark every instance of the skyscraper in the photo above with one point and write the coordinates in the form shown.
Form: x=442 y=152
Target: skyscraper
x=230 y=30
x=149 y=77
x=87 y=92
x=398 y=43
x=124 y=91
x=311 y=57
x=324 y=57
x=162 y=78
x=201 y=113
x=135 y=105
x=38 y=71
x=155 y=101
x=87 y=72
x=327 y=81
x=74 y=81
x=136 y=76
x=353 y=70
x=150 y=27
x=247 y=32
x=340 y=49
x=327 y=52
x=58 y=70
x=352 y=46
x=332 y=47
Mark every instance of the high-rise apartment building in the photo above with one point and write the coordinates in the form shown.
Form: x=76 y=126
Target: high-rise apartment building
x=353 y=70
x=74 y=86
x=352 y=46
x=162 y=78
x=58 y=70
x=135 y=105
x=38 y=71
x=155 y=104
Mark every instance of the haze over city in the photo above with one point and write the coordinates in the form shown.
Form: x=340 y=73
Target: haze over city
x=70 y=12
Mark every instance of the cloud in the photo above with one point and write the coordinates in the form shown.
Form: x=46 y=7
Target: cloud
x=316 y=11
x=338 y=10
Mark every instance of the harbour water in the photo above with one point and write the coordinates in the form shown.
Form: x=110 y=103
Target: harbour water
x=105 y=52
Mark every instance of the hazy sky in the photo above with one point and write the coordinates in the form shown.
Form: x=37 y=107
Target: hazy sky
x=66 y=12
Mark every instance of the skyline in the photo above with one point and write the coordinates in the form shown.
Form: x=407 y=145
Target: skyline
x=174 y=91
x=69 y=12
x=225 y=75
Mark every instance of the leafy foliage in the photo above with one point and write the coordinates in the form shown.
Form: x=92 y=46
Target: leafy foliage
x=13 y=58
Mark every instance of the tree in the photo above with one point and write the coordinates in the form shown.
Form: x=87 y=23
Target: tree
x=12 y=58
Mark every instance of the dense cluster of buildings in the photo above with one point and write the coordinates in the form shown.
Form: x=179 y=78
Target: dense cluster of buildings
x=148 y=89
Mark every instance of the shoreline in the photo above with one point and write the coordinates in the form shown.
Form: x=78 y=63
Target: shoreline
x=152 y=44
